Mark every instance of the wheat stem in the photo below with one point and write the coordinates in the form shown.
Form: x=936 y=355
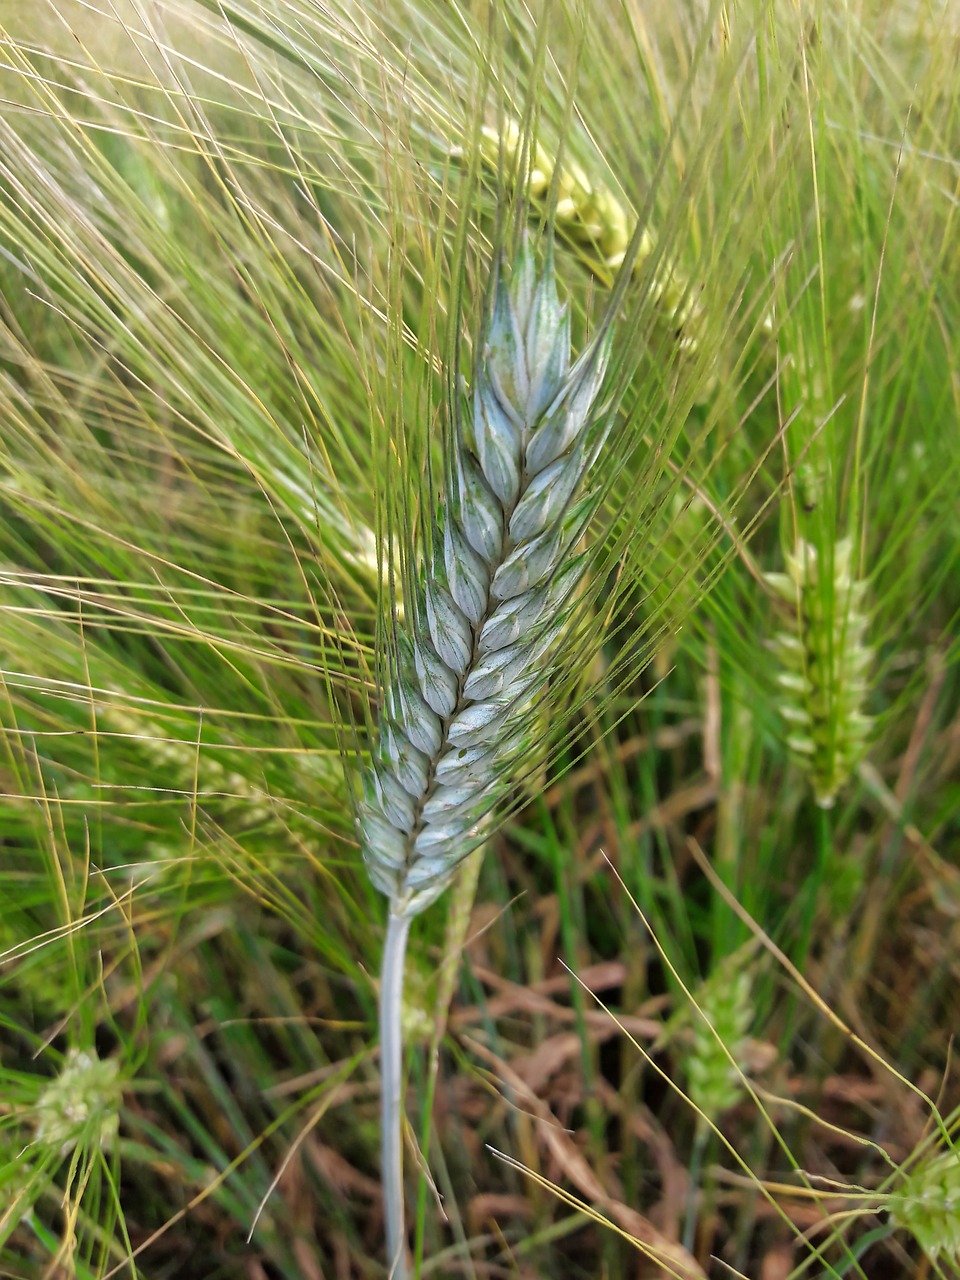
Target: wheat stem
x=391 y=1090
x=458 y=922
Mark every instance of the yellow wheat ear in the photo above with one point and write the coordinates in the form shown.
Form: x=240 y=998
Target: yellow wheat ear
x=592 y=217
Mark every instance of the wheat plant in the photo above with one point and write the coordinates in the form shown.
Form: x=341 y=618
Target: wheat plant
x=590 y=216
x=498 y=578
x=926 y=1204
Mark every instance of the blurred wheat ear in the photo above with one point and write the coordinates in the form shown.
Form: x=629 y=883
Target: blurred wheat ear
x=499 y=573
x=926 y=1205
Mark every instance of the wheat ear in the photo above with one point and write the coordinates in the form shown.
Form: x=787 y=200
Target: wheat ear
x=479 y=630
x=926 y=1205
x=825 y=662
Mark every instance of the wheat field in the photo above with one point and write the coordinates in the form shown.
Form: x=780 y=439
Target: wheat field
x=479 y=584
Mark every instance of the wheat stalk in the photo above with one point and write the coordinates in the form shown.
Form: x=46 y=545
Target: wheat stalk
x=476 y=647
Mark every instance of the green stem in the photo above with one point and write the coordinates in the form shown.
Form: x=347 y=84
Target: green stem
x=458 y=922
x=696 y=1165
x=391 y=1091
x=814 y=883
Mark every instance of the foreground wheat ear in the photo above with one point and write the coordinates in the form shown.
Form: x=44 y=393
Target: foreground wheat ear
x=480 y=632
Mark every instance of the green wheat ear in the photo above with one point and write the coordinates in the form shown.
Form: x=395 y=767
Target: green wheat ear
x=824 y=665
x=81 y=1104
x=498 y=579
x=476 y=642
x=720 y=1033
x=928 y=1206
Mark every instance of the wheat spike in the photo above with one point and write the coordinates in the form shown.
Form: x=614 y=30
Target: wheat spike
x=496 y=582
x=81 y=1104
x=927 y=1204
x=825 y=663
x=719 y=1041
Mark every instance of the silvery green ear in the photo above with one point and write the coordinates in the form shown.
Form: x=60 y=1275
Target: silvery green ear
x=501 y=570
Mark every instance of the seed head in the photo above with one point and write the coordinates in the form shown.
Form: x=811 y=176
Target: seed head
x=497 y=580
x=81 y=1104
x=589 y=215
x=824 y=663
x=719 y=1035
x=928 y=1206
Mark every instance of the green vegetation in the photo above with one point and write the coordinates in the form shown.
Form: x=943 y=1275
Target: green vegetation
x=688 y=1010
